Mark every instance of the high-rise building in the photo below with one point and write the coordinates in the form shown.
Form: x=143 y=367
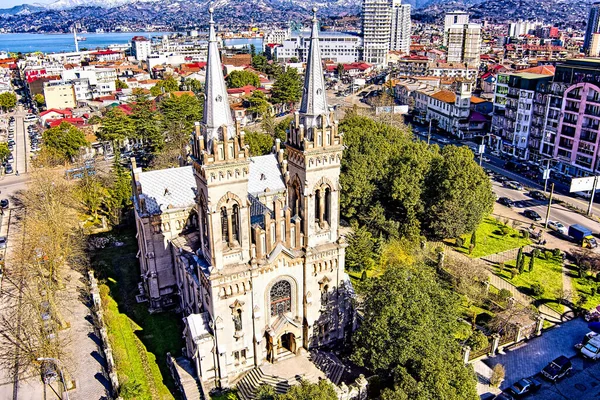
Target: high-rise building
x=593 y=25
x=386 y=26
x=140 y=48
x=400 y=32
x=454 y=18
x=464 y=44
x=377 y=21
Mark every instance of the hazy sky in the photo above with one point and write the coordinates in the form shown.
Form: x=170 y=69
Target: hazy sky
x=10 y=3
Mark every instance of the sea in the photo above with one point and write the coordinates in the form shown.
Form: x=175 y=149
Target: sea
x=64 y=42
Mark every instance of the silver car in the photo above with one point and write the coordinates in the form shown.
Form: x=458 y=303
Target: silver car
x=558 y=227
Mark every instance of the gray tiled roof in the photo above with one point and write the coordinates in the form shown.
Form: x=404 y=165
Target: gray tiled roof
x=162 y=188
x=265 y=174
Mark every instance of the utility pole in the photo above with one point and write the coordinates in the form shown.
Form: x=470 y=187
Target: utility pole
x=546 y=175
x=429 y=134
x=549 y=205
x=589 y=211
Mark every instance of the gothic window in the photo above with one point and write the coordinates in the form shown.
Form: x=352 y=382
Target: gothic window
x=317 y=204
x=235 y=223
x=281 y=298
x=327 y=216
x=204 y=223
x=294 y=198
x=224 y=227
x=237 y=319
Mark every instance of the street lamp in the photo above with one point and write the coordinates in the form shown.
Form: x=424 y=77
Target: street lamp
x=482 y=147
x=546 y=174
x=62 y=377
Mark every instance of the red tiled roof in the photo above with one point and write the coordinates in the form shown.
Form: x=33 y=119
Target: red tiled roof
x=105 y=53
x=73 y=121
x=444 y=95
x=57 y=111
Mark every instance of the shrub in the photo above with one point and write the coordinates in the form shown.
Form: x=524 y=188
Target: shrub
x=513 y=272
x=363 y=276
x=536 y=253
x=504 y=294
x=478 y=341
x=459 y=242
x=525 y=233
x=531 y=263
x=463 y=331
x=498 y=374
x=593 y=290
x=581 y=300
x=501 y=266
x=537 y=289
x=548 y=254
x=556 y=252
x=505 y=230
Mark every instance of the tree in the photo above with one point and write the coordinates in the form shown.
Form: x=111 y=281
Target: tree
x=260 y=143
x=238 y=79
x=458 y=194
x=498 y=374
x=39 y=100
x=4 y=151
x=91 y=192
x=294 y=60
x=273 y=69
x=116 y=127
x=65 y=139
x=474 y=238
x=281 y=129
x=478 y=341
x=265 y=392
x=287 y=88
x=531 y=263
x=259 y=63
x=146 y=124
x=519 y=261
x=119 y=84
x=119 y=192
x=252 y=50
x=407 y=335
x=340 y=70
x=258 y=103
x=168 y=85
x=310 y=391
x=194 y=85
x=360 y=254
x=268 y=124
x=8 y=100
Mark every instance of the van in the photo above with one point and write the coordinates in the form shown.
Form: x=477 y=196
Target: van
x=591 y=349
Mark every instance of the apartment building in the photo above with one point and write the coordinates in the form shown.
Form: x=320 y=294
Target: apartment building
x=376 y=30
x=91 y=82
x=140 y=47
x=339 y=47
x=59 y=95
x=454 y=18
x=593 y=26
x=400 y=30
x=464 y=44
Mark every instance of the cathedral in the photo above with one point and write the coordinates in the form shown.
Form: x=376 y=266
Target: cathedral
x=248 y=248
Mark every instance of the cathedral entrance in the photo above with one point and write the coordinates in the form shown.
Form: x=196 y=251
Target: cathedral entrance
x=287 y=343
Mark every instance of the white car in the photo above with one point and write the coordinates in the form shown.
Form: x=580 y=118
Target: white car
x=443 y=140
x=558 y=227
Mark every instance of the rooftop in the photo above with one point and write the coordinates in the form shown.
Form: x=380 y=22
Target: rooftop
x=168 y=188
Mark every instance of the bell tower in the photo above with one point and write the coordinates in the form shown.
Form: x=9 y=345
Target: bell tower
x=314 y=147
x=220 y=163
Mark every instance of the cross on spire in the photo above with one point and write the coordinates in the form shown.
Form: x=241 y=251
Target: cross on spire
x=217 y=112
x=314 y=102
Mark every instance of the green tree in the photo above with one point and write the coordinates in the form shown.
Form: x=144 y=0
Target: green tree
x=116 y=127
x=474 y=238
x=194 y=85
x=4 y=151
x=167 y=85
x=8 y=100
x=458 y=195
x=268 y=124
x=519 y=261
x=119 y=192
x=478 y=341
x=91 y=192
x=252 y=50
x=294 y=60
x=310 y=391
x=39 y=100
x=260 y=143
x=281 y=129
x=119 y=84
x=146 y=121
x=287 y=88
x=360 y=254
x=340 y=70
x=265 y=392
x=273 y=69
x=258 y=103
x=259 y=63
x=65 y=140
x=407 y=335
x=238 y=79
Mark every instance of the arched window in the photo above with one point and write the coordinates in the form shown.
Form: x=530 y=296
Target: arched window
x=204 y=222
x=237 y=319
x=224 y=227
x=281 y=298
x=317 y=205
x=327 y=215
x=295 y=199
x=235 y=223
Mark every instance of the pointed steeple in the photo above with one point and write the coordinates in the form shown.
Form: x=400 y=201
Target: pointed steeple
x=314 y=102
x=217 y=112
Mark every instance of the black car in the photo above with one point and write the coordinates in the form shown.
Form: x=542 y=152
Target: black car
x=532 y=214
x=504 y=396
x=524 y=387
x=4 y=203
x=558 y=368
x=505 y=201
x=536 y=194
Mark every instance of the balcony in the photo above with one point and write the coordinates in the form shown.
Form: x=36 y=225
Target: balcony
x=575 y=94
x=572 y=108
x=588 y=137
x=568 y=131
x=594 y=111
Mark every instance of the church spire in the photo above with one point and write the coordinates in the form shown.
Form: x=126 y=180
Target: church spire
x=217 y=112
x=314 y=103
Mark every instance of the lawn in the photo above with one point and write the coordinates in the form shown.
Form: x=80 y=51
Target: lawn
x=491 y=240
x=583 y=287
x=547 y=273
x=139 y=340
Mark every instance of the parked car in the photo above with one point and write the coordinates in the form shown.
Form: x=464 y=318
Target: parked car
x=505 y=201
x=8 y=169
x=486 y=159
x=524 y=387
x=558 y=227
x=4 y=203
x=10 y=158
x=536 y=194
x=11 y=135
x=532 y=214
x=504 y=396
x=558 y=368
x=591 y=349
x=3 y=241
x=513 y=185
x=444 y=140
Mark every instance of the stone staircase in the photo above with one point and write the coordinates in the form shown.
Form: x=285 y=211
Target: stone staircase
x=331 y=366
x=249 y=384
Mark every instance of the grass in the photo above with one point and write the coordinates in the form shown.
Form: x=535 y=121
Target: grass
x=491 y=240
x=583 y=287
x=140 y=340
x=547 y=273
